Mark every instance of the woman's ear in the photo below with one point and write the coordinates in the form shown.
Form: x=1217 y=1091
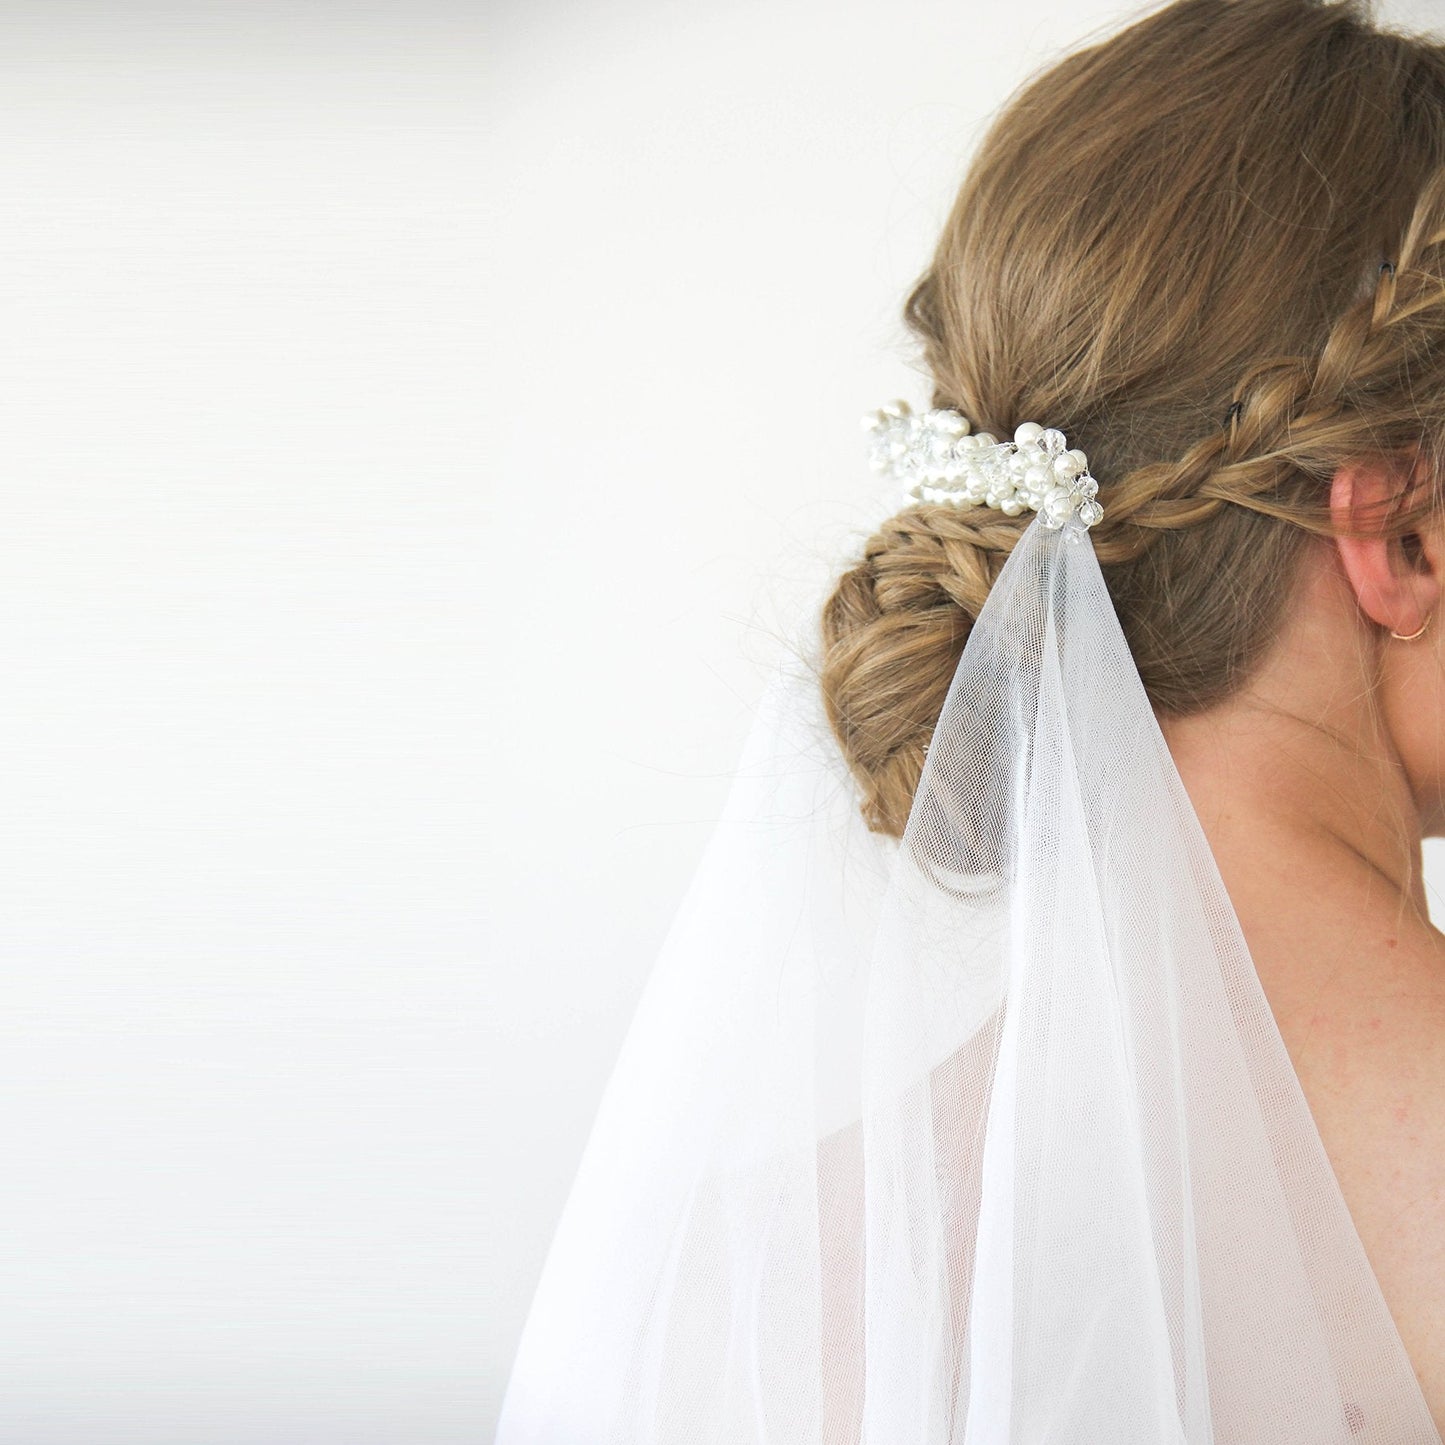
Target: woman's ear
x=1398 y=581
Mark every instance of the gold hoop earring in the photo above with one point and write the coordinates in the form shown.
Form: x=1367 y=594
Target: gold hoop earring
x=1411 y=636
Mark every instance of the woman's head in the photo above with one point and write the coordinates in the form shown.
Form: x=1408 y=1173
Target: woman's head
x=1211 y=250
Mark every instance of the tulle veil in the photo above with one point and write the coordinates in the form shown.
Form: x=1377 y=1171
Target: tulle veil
x=978 y=1137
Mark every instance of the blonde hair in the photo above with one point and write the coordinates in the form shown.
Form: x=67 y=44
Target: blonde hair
x=1211 y=249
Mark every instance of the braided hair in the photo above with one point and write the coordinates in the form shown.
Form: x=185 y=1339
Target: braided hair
x=1212 y=250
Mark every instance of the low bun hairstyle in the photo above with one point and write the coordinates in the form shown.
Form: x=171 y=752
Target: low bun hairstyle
x=1210 y=249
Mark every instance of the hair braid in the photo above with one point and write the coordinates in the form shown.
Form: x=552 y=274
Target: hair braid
x=1294 y=416
x=893 y=630
x=1141 y=255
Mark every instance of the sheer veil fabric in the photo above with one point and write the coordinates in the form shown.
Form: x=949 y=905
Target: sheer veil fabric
x=983 y=1136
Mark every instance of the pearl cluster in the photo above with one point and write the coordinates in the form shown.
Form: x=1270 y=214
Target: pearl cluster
x=939 y=458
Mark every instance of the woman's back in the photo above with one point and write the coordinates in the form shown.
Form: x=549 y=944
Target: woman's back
x=1313 y=797
x=1371 y=1061
x=1361 y=1009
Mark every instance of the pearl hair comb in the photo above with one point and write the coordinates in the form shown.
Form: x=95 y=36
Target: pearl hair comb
x=939 y=458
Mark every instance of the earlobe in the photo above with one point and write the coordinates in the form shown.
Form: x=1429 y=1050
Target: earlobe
x=1395 y=586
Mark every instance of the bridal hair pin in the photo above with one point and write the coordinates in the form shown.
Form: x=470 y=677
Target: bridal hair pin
x=939 y=458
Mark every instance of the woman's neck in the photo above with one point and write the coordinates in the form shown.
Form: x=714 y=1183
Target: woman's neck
x=1307 y=806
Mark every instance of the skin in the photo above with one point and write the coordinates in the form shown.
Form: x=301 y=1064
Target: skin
x=1315 y=786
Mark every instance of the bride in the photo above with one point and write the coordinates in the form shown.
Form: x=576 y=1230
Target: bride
x=1052 y=1044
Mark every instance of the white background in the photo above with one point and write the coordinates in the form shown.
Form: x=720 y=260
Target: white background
x=420 y=424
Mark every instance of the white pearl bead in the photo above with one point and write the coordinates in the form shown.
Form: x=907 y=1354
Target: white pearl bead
x=1067 y=467
x=1012 y=507
x=1058 y=504
x=1027 y=432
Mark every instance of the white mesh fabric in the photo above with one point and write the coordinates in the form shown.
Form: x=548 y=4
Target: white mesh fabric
x=985 y=1136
